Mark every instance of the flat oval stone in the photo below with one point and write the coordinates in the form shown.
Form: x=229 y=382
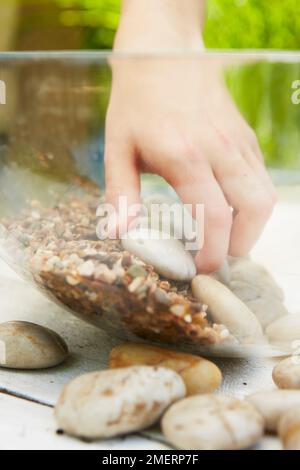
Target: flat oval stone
x=179 y=223
x=244 y=270
x=227 y=309
x=157 y=199
x=212 y=422
x=25 y=345
x=287 y=373
x=118 y=401
x=289 y=429
x=273 y=404
x=198 y=374
x=267 y=310
x=285 y=330
x=168 y=257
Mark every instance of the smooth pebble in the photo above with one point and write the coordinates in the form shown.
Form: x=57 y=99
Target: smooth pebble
x=179 y=224
x=267 y=310
x=227 y=309
x=285 y=330
x=118 y=401
x=246 y=271
x=198 y=374
x=212 y=422
x=273 y=404
x=287 y=373
x=168 y=257
x=25 y=345
x=289 y=429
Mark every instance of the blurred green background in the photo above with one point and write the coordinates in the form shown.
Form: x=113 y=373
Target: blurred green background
x=261 y=90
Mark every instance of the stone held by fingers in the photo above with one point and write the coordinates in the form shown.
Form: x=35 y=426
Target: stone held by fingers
x=167 y=256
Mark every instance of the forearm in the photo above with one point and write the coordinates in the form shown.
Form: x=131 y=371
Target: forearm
x=160 y=24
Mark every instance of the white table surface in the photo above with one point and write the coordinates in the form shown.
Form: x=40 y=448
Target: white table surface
x=27 y=398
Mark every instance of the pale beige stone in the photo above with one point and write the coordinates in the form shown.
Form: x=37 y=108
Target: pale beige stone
x=227 y=309
x=198 y=374
x=289 y=429
x=168 y=256
x=117 y=401
x=286 y=374
x=26 y=345
x=285 y=331
x=273 y=404
x=212 y=422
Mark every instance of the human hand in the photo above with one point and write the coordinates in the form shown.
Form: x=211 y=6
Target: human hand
x=175 y=118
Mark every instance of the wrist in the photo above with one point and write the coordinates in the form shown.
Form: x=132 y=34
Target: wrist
x=160 y=25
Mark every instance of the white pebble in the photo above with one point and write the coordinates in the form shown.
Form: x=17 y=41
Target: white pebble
x=273 y=404
x=226 y=309
x=285 y=330
x=212 y=422
x=168 y=257
x=244 y=270
x=267 y=310
x=118 y=401
x=287 y=373
x=86 y=269
x=25 y=345
x=289 y=429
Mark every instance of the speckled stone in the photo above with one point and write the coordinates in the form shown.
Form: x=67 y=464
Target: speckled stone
x=212 y=422
x=118 y=401
x=25 y=345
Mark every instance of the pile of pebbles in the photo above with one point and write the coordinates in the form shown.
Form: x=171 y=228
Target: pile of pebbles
x=150 y=288
x=145 y=385
x=143 y=286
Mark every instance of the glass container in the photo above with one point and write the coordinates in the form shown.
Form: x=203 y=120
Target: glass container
x=52 y=140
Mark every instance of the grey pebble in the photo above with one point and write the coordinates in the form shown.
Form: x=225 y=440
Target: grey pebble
x=25 y=345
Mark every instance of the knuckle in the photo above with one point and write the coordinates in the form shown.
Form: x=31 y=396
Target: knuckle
x=192 y=153
x=174 y=158
x=267 y=206
x=260 y=207
x=184 y=153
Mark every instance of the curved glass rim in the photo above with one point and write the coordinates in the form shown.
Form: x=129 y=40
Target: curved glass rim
x=96 y=55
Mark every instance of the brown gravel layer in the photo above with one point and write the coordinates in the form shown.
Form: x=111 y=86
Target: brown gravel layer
x=101 y=282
